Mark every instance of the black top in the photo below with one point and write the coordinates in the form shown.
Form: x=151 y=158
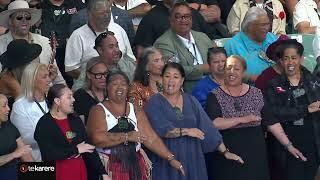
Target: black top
x=206 y=2
x=8 y=136
x=225 y=7
x=156 y=22
x=83 y=103
x=54 y=146
x=57 y=18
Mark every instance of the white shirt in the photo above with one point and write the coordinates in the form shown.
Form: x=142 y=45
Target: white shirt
x=25 y=116
x=306 y=10
x=80 y=49
x=132 y=4
x=192 y=48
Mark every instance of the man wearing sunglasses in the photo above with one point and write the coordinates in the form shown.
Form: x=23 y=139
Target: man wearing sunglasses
x=18 y=19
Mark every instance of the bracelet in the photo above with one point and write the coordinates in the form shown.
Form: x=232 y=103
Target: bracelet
x=180 y=132
x=170 y=157
x=286 y=146
x=125 y=139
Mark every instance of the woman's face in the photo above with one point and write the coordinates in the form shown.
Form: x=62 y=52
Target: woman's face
x=117 y=88
x=97 y=76
x=43 y=80
x=172 y=81
x=291 y=61
x=65 y=102
x=155 y=64
x=234 y=72
x=4 y=108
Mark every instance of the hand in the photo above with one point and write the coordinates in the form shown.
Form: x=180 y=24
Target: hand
x=230 y=156
x=136 y=136
x=85 y=148
x=53 y=71
x=314 y=107
x=21 y=151
x=195 y=132
x=296 y=153
x=178 y=166
x=194 y=5
x=106 y=177
x=249 y=118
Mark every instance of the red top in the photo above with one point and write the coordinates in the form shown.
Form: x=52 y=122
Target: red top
x=73 y=168
x=264 y=78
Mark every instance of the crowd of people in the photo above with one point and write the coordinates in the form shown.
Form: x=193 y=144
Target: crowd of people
x=139 y=90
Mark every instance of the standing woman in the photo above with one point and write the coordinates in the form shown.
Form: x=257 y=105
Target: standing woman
x=147 y=78
x=184 y=127
x=31 y=106
x=12 y=147
x=118 y=130
x=94 y=90
x=236 y=109
x=62 y=138
x=293 y=98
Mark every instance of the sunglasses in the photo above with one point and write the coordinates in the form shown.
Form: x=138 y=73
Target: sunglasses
x=27 y=17
x=99 y=75
x=101 y=37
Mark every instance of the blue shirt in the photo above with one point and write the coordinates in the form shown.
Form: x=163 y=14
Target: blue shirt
x=242 y=45
x=201 y=90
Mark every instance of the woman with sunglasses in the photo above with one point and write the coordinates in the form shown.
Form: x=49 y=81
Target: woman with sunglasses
x=62 y=138
x=93 y=91
x=147 y=78
x=118 y=130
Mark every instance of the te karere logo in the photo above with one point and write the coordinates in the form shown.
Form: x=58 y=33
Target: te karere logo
x=35 y=168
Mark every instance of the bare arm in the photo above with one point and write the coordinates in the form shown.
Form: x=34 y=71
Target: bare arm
x=74 y=73
x=226 y=123
x=211 y=13
x=23 y=151
x=140 y=10
x=4 y=159
x=26 y=157
x=304 y=27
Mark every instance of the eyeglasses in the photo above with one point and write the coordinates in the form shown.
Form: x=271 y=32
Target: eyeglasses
x=99 y=75
x=101 y=37
x=186 y=17
x=26 y=17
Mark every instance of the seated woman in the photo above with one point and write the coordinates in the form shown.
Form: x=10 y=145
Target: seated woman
x=94 y=90
x=118 y=130
x=293 y=99
x=236 y=109
x=147 y=78
x=252 y=42
x=19 y=54
x=62 y=138
x=12 y=147
x=274 y=9
x=31 y=106
x=184 y=127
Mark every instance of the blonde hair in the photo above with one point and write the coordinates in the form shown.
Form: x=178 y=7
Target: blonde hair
x=28 y=79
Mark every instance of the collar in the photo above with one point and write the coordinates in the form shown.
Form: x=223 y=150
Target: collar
x=251 y=45
x=30 y=40
x=187 y=42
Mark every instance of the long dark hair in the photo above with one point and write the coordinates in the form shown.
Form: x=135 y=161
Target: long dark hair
x=54 y=92
x=176 y=66
x=141 y=74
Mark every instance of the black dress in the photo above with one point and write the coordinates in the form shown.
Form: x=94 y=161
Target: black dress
x=8 y=136
x=83 y=103
x=245 y=140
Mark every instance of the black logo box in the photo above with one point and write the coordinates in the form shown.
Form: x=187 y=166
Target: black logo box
x=36 y=171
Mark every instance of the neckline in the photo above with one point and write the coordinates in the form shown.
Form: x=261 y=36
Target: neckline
x=235 y=96
x=129 y=111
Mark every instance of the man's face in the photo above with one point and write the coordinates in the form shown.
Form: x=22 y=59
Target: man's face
x=181 y=20
x=260 y=28
x=109 y=50
x=19 y=23
x=101 y=13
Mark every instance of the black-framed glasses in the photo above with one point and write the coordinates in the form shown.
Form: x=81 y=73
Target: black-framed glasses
x=26 y=17
x=101 y=37
x=186 y=17
x=99 y=75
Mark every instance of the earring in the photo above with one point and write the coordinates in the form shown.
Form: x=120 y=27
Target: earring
x=148 y=73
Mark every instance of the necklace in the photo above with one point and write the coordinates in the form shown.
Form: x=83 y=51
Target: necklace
x=176 y=109
x=236 y=103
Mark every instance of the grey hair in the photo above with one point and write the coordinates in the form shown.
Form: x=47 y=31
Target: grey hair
x=252 y=15
x=93 y=4
x=28 y=80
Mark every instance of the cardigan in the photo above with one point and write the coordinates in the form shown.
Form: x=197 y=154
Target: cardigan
x=54 y=146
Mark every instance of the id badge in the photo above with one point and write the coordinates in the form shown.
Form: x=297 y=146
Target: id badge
x=298 y=122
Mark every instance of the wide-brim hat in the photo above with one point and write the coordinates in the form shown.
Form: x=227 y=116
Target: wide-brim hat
x=19 y=53
x=271 y=50
x=16 y=6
